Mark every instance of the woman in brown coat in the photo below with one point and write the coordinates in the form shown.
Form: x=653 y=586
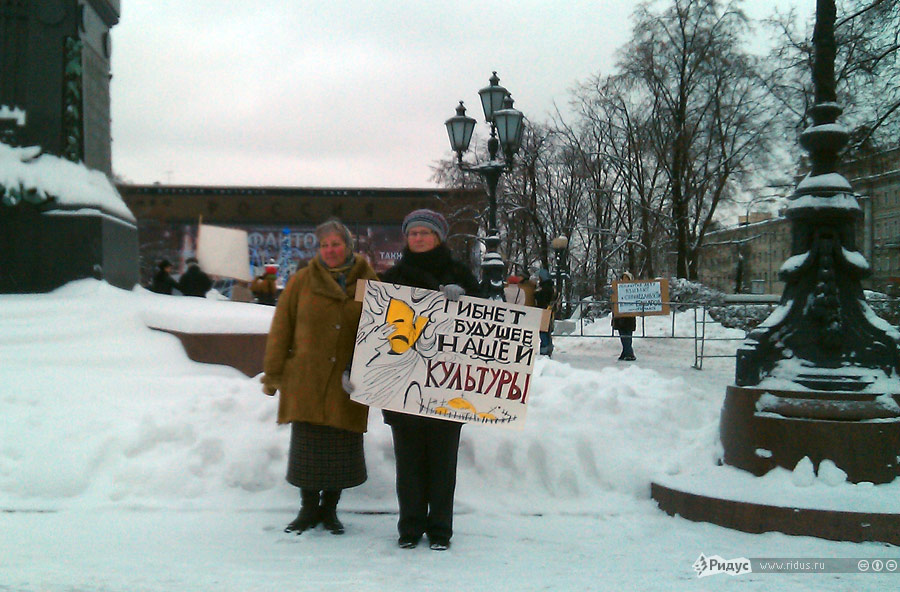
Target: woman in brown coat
x=310 y=344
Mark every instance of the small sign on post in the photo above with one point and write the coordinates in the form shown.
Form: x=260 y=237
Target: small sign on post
x=469 y=360
x=637 y=298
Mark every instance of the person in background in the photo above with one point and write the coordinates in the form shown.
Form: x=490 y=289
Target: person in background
x=163 y=282
x=545 y=297
x=626 y=327
x=513 y=293
x=426 y=448
x=264 y=287
x=310 y=344
x=194 y=282
x=529 y=288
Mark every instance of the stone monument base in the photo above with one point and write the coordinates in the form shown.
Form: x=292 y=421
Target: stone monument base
x=43 y=250
x=769 y=512
x=244 y=351
x=763 y=431
x=860 y=433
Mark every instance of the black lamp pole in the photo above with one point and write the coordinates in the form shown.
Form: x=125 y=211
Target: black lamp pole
x=506 y=134
x=560 y=245
x=824 y=324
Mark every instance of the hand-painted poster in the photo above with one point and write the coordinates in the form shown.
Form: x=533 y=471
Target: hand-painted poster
x=469 y=360
x=641 y=298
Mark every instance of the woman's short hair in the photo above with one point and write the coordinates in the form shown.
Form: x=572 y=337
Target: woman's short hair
x=334 y=226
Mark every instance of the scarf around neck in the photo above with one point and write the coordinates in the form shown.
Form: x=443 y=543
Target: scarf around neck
x=339 y=272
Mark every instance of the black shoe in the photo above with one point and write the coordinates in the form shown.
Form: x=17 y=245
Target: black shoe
x=330 y=521
x=306 y=519
x=439 y=544
x=408 y=542
x=629 y=358
x=328 y=512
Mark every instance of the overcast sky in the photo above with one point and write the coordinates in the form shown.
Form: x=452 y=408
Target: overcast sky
x=343 y=93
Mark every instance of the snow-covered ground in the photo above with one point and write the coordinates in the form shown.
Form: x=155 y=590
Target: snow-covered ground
x=125 y=466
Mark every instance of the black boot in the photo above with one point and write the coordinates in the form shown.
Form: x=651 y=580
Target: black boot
x=329 y=511
x=309 y=512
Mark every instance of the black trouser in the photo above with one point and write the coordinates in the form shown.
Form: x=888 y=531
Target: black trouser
x=625 y=338
x=426 y=451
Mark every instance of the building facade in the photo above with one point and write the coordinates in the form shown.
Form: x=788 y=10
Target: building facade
x=746 y=258
x=279 y=218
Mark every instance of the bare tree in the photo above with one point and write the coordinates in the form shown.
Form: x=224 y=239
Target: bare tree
x=710 y=119
x=623 y=182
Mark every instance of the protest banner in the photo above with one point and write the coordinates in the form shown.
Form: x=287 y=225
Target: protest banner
x=469 y=360
x=223 y=252
x=641 y=298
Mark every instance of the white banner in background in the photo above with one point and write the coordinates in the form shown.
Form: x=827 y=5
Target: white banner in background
x=223 y=252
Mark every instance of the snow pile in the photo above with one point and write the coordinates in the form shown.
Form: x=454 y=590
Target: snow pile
x=121 y=458
x=693 y=293
x=144 y=425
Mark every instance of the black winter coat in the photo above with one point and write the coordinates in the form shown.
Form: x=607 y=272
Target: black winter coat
x=545 y=294
x=627 y=324
x=194 y=282
x=430 y=270
x=163 y=283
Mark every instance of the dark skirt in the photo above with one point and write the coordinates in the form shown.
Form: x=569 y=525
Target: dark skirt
x=323 y=457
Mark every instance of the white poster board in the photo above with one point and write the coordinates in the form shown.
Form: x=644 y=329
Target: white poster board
x=467 y=361
x=223 y=252
x=641 y=298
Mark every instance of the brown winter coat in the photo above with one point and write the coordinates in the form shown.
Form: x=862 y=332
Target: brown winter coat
x=528 y=287
x=310 y=344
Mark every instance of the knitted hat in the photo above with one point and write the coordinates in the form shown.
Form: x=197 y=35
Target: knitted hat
x=429 y=219
x=513 y=279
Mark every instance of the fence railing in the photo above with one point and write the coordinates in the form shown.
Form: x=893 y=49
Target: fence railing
x=742 y=311
x=595 y=309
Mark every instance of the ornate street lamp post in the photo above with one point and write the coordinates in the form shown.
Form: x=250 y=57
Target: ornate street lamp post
x=506 y=137
x=560 y=247
x=818 y=382
x=827 y=364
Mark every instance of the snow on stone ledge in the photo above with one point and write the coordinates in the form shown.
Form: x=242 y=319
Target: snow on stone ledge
x=187 y=314
x=17 y=114
x=856 y=259
x=800 y=488
x=70 y=183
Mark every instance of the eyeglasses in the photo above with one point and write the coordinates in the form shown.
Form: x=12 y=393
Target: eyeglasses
x=417 y=233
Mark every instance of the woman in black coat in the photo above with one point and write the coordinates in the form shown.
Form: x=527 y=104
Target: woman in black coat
x=163 y=282
x=426 y=448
